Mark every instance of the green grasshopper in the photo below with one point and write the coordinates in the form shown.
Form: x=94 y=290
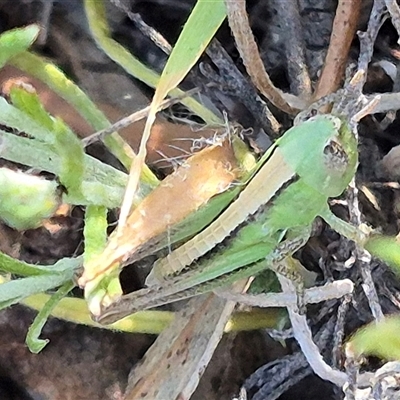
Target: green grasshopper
x=270 y=219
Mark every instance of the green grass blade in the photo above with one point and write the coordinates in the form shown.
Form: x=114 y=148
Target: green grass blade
x=151 y=322
x=25 y=98
x=95 y=231
x=56 y=80
x=75 y=310
x=33 y=342
x=201 y=26
x=96 y=15
x=15 y=41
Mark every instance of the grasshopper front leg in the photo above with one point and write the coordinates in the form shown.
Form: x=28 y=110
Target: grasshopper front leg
x=359 y=235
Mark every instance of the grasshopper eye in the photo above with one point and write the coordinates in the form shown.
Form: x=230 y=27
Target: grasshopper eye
x=335 y=156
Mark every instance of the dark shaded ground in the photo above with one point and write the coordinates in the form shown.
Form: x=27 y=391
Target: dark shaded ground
x=82 y=363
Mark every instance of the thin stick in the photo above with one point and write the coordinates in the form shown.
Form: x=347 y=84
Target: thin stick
x=134 y=117
x=368 y=286
x=338 y=335
x=386 y=102
x=363 y=257
x=303 y=335
x=147 y=30
x=329 y=291
x=47 y=8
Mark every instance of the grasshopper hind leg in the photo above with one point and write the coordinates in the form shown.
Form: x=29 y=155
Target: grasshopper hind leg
x=156 y=296
x=279 y=261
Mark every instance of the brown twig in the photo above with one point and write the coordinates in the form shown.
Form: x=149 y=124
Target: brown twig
x=132 y=118
x=247 y=47
x=344 y=28
x=339 y=332
x=147 y=30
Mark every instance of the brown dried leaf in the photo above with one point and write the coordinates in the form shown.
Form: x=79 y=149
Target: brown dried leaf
x=173 y=366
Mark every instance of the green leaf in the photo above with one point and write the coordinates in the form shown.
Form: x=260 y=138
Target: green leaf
x=26 y=99
x=14 y=118
x=387 y=249
x=41 y=278
x=56 y=80
x=102 y=184
x=54 y=131
x=17 y=267
x=15 y=41
x=32 y=338
x=201 y=26
x=42 y=156
x=95 y=231
x=381 y=340
x=26 y=200
x=15 y=291
x=71 y=154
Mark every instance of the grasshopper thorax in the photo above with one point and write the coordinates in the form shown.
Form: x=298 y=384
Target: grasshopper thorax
x=323 y=152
